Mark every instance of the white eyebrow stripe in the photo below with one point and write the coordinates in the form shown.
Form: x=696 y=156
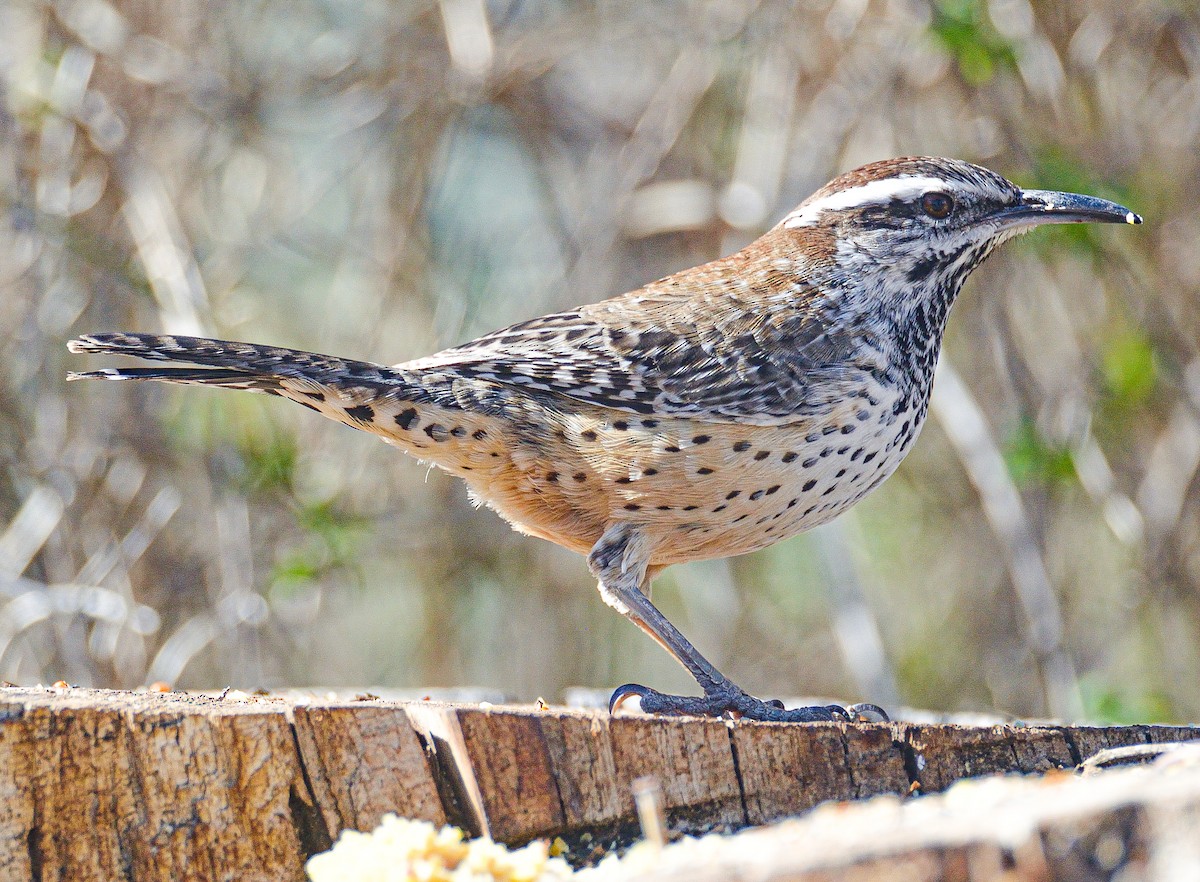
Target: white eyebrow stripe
x=872 y=193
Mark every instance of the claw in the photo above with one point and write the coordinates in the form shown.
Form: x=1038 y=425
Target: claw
x=623 y=692
x=654 y=702
x=867 y=713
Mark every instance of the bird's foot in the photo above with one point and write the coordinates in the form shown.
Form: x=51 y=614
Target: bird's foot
x=729 y=699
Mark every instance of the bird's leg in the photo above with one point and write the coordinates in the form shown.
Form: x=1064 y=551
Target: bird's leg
x=620 y=561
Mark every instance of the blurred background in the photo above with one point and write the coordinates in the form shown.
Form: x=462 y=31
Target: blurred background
x=381 y=180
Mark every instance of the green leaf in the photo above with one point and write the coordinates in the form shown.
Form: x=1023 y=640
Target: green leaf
x=270 y=460
x=296 y=567
x=339 y=533
x=962 y=28
x=1032 y=459
x=1130 y=368
x=1105 y=703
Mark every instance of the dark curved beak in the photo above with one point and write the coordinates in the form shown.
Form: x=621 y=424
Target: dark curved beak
x=1039 y=207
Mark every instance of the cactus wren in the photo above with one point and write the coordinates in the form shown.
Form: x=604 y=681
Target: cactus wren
x=708 y=414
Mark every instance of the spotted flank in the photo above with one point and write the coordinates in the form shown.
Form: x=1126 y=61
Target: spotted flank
x=558 y=466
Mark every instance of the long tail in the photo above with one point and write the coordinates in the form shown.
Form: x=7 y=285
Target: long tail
x=228 y=364
x=414 y=410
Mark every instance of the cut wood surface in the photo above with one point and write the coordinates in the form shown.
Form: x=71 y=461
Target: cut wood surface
x=119 y=785
x=1132 y=824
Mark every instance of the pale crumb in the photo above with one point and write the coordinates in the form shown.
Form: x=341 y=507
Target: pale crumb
x=401 y=850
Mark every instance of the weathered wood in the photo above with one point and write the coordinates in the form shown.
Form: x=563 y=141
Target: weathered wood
x=694 y=766
x=1130 y=823
x=521 y=773
x=117 y=785
x=157 y=787
x=942 y=755
x=362 y=762
x=786 y=769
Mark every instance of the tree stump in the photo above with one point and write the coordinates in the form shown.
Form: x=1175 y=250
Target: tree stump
x=120 y=786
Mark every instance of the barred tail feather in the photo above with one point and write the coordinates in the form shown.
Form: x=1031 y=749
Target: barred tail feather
x=247 y=366
x=248 y=358
x=225 y=379
x=417 y=411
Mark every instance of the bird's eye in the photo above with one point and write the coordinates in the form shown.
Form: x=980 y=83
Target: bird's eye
x=937 y=205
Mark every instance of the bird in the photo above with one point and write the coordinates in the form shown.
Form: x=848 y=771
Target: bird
x=708 y=414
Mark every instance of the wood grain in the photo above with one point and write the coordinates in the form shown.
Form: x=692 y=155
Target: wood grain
x=121 y=786
x=93 y=787
x=1128 y=823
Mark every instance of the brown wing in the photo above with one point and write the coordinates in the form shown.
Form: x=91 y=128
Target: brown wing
x=723 y=343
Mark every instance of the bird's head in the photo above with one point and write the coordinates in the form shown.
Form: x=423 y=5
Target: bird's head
x=908 y=231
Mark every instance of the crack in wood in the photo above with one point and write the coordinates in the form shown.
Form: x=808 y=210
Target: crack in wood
x=737 y=774
x=33 y=849
x=455 y=779
x=310 y=825
x=1072 y=745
